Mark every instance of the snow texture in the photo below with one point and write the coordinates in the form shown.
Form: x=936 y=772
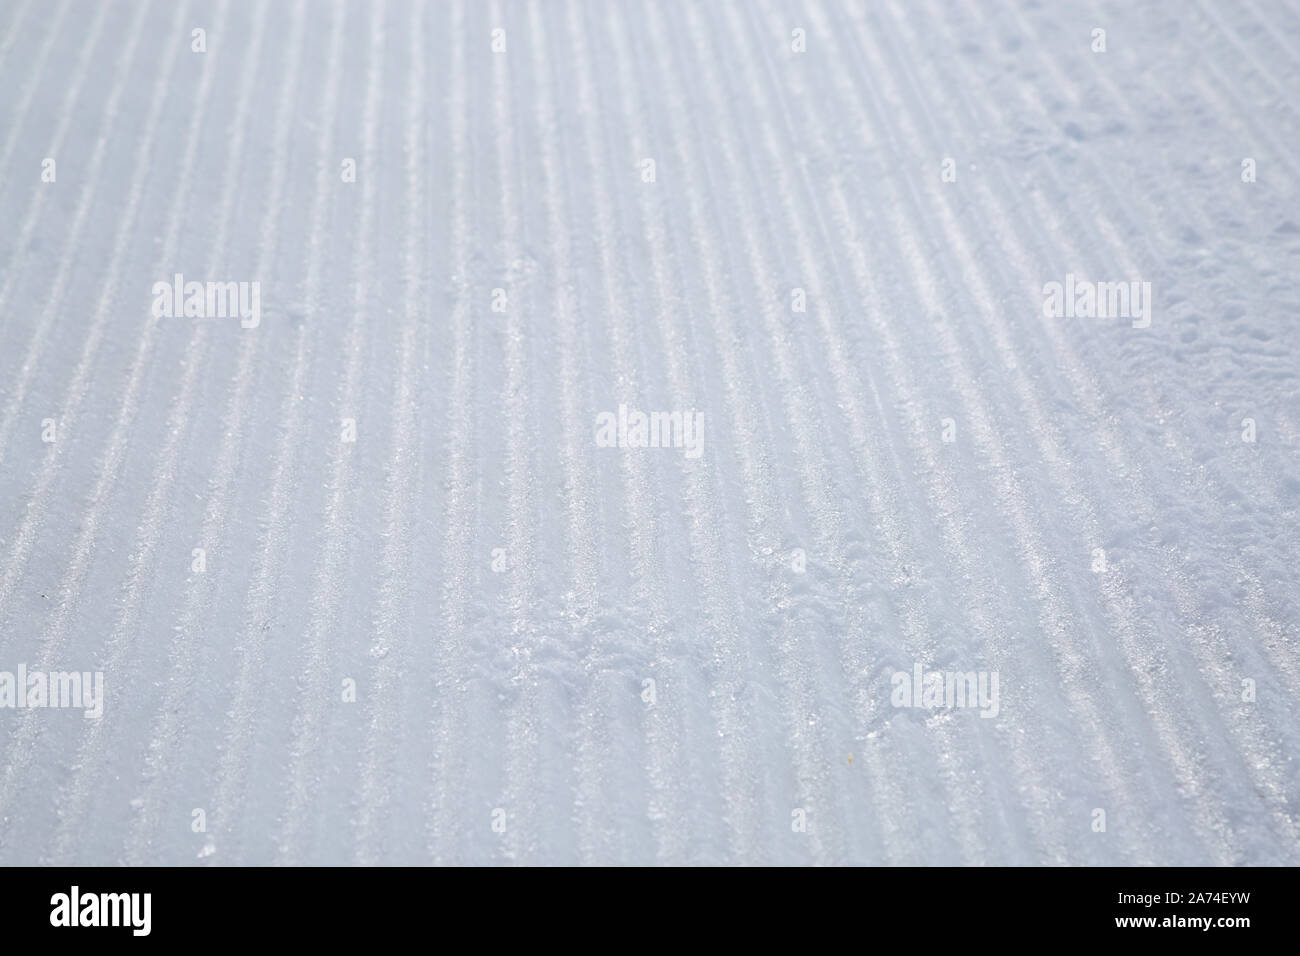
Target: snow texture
x=365 y=579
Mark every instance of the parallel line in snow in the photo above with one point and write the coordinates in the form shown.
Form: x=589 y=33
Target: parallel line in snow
x=570 y=348
x=168 y=726
x=1277 y=35
x=522 y=743
x=242 y=728
x=1059 y=464
x=16 y=390
x=1134 y=649
x=942 y=494
x=763 y=533
x=882 y=484
x=392 y=627
x=121 y=638
x=1226 y=108
x=1280 y=649
x=1054 y=611
x=77 y=388
x=1213 y=657
x=52 y=640
x=666 y=723
x=881 y=479
x=24 y=105
x=1248 y=62
x=1164 y=203
x=583 y=524
x=640 y=495
x=752 y=815
x=821 y=686
x=76 y=391
x=1161 y=207
x=515 y=388
x=1119 y=606
x=449 y=757
x=308 y=731
x=11 y=35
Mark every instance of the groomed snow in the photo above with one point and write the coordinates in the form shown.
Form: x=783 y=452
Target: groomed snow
x=382 y=577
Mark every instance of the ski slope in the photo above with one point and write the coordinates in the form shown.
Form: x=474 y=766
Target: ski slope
x=384 y=577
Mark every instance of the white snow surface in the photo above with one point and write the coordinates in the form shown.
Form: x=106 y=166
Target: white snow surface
x=1098 y=532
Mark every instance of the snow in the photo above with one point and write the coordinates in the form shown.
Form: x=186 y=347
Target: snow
x=388 y=575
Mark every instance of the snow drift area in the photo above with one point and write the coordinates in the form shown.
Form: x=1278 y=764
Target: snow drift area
x=652 y=432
